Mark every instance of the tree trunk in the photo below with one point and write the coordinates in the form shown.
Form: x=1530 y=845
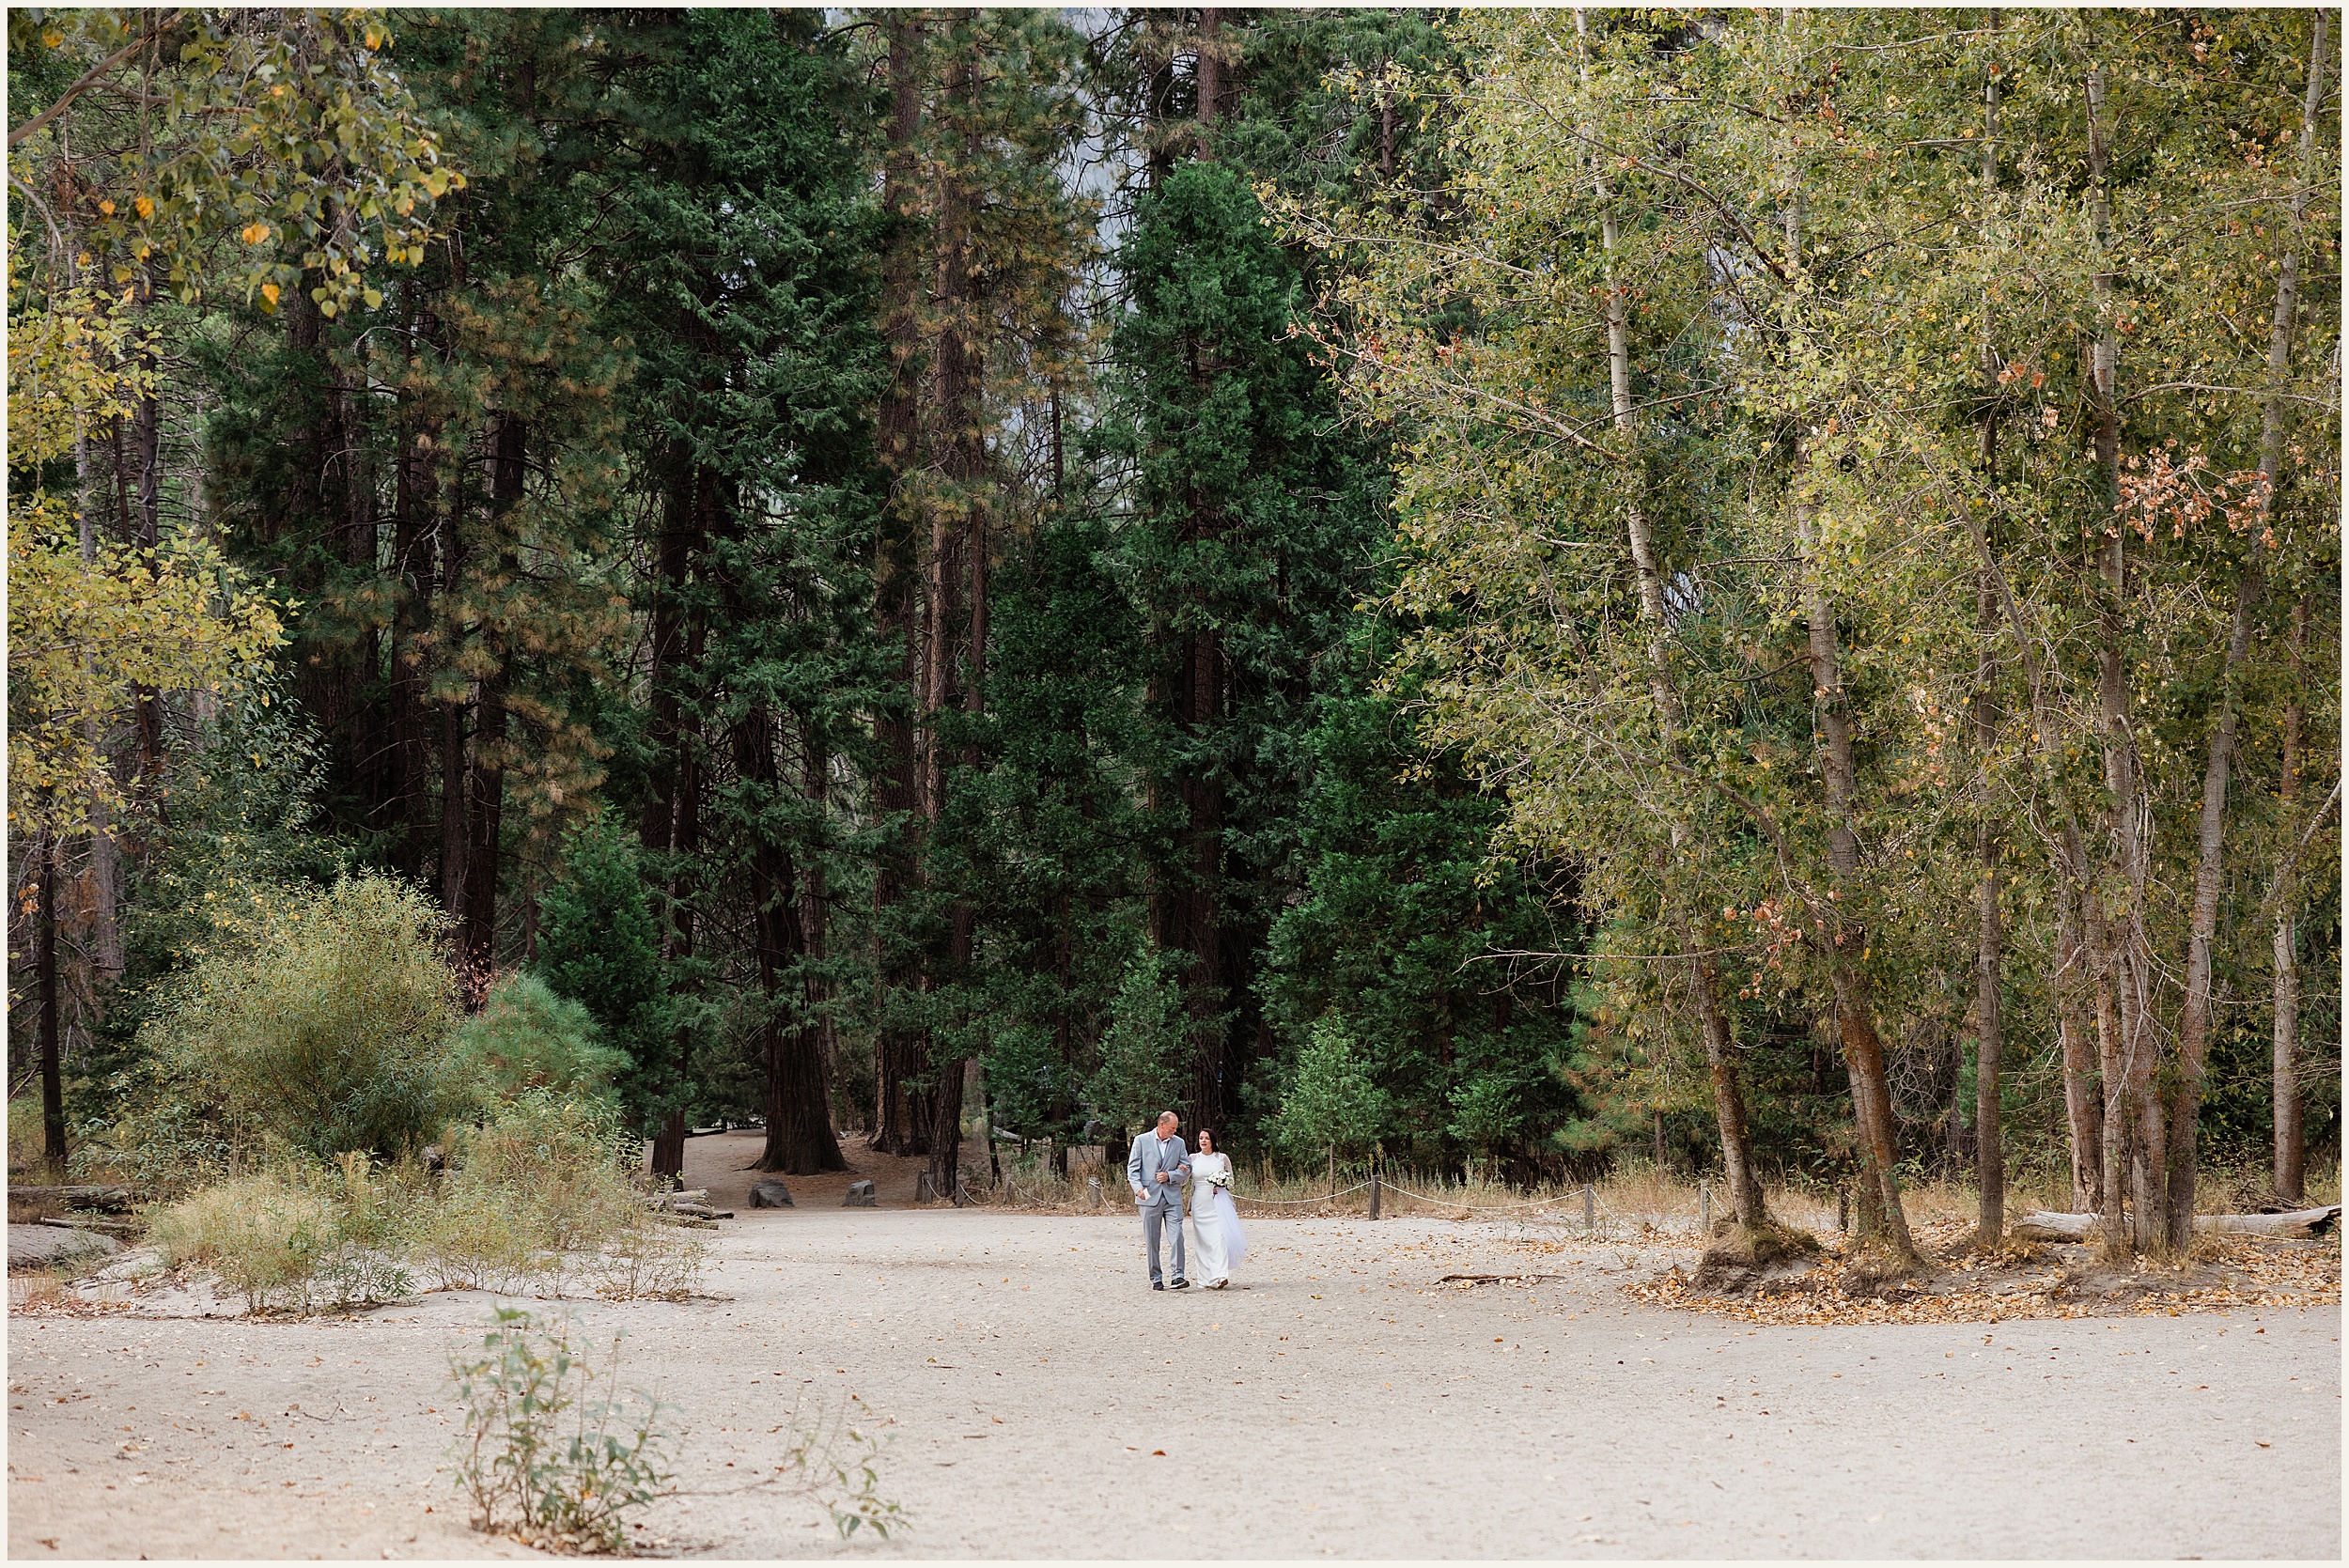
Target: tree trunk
x=2194 y=1024
x=2124 y=961
x=2044 y=1226
x=2083 y=1106
x=509 y=457
x=453 y=770
x=672 y=822
x=1989 y=1040
x=2289 y=1176
x=409 y=716
x=1729 y=1098
x=1208 y=81
x=899 y=1051
x=1855 y=1006
x=1729 y=1105
x=957 y=551
x=799 y=1139
x=52 y=1048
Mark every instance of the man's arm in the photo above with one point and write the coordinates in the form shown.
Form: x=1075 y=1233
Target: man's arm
x=1133 y=1166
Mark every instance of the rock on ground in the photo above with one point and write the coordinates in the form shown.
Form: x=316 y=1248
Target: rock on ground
x=43 y=1246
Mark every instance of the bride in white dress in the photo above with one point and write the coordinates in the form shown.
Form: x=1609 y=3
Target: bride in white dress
x=1214 y=1221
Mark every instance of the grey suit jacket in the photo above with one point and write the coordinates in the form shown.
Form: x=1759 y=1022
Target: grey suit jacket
x=1144 y=1161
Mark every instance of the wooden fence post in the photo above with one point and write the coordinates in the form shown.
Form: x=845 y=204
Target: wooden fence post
x=1590 y=1210
x=1374 y=1190
x=1704 y=1208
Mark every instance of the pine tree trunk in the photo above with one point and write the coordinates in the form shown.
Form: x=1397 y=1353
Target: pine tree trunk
x=1208 y=82
x=672 y=824
x=800 y=1138
x=958 y=570
x=410 y=718
x=509 y=467
x=899 y=1051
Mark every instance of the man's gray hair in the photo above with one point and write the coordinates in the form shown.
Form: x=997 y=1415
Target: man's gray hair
x=1167 y=1115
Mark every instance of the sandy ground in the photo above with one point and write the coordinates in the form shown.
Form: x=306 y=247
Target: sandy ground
x=1045 y=1403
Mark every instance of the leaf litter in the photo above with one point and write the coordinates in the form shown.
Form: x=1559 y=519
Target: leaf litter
x=2020 y=1280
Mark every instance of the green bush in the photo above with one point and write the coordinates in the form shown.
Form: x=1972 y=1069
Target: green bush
x=327 y=1033
x=547 y=1453
x=293 y=1239
x=543 y=1187
x=1145 y=1051
x=526 y=1037
x=599 y=945
x=1331 y=1103
x=536 y=1197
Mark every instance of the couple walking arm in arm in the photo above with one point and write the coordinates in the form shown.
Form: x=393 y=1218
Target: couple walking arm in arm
x=1156 y=1167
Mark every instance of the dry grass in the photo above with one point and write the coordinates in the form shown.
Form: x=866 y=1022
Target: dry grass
x=28 y=1211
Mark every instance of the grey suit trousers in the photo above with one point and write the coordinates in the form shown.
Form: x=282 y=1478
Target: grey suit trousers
x=1159 y=1217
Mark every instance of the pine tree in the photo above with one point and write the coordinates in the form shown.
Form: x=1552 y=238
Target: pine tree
x=598 y=944
x=747 y=280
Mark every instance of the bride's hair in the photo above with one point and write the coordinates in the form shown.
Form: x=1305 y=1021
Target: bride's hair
x=1205 y=1134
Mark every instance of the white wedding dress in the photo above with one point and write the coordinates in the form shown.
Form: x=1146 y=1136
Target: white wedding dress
x=1221 y=1243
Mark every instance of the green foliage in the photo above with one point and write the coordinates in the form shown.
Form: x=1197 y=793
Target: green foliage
x=535 y=1193
x=1424 y=942
x=599 y=948
x=325 y=1031
x=288 y=129
x=551 y=1450
x=526 y=1037
x=1146 y=1048
x=298 y=1237
x=1329 y=1102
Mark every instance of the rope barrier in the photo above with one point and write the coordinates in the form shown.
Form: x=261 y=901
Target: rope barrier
x=1297 y=1203
x=1487 y=1208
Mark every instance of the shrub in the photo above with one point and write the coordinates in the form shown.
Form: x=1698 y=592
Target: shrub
x=526 y=1037
x=326 y=1034
x=599 y=945
x=543 y=1187
x=1331 y=1102
x=296 y=1237
x=547 y=1452
x=1145 y=1049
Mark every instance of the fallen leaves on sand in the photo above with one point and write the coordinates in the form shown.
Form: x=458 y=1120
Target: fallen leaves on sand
x=2016 y=1281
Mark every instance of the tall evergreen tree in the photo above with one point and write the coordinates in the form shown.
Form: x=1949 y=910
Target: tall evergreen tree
x=746 y=279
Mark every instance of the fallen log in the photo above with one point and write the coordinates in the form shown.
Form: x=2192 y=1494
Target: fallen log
x=113 y=1200
x=87 y=1222
x=2046 y=1226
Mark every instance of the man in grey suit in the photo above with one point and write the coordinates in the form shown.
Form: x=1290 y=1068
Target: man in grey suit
x=1156 y=1168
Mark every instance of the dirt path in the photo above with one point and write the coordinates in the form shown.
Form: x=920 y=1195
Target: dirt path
x=1341 y=1404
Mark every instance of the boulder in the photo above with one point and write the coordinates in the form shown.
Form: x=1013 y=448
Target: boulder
x=45 y=1246
x=770 y=1194
x=860 y=1196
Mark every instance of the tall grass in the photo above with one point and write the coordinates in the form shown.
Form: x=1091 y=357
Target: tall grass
x=540 y=1197
x=1636 y=1198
